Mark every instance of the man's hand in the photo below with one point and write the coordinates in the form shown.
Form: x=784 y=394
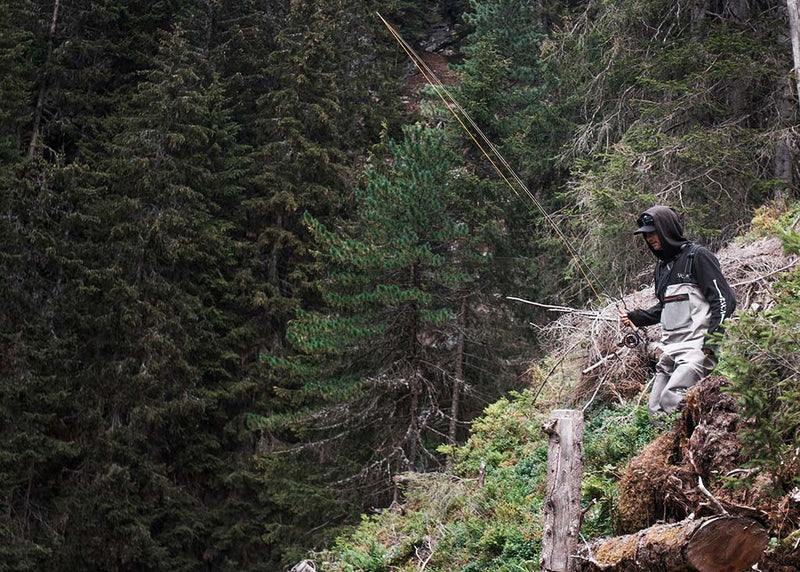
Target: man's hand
x=624 y=319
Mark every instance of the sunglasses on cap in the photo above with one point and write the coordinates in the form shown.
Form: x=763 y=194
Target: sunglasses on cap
x=645 y=220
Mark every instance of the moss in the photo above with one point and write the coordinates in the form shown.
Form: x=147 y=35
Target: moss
x=616 y=549
x=641 y=482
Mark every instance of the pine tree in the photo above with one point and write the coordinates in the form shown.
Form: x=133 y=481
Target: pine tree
x=502 y=81
x=370 y=388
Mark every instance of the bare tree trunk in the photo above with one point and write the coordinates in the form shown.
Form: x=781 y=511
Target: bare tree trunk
x=413 y=433
x=784 y=145
x=794 y=32
x=37 y=115
x=458 y=383
x=414 y=429
x=738 y=10
x=786 y=106
x=698 y=14
x=562 y=507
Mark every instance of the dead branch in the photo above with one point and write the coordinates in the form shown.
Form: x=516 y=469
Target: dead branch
x=709 y=496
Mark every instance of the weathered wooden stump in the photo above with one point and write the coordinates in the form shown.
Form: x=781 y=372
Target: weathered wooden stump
x=562 y=513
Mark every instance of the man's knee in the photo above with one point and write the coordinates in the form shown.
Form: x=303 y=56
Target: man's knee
x=669 y=391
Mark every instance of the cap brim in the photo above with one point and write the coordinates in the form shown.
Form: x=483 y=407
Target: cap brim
x=644 y=229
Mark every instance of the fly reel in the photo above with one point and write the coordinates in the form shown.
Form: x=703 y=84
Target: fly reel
x=631 y=340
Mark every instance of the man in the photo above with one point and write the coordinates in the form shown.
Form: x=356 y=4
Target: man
x=693 y=300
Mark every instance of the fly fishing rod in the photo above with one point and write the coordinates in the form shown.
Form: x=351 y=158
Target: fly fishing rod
x=506 y=173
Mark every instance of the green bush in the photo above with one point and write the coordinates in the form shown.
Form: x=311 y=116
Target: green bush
x=498 y=526
x=611 y=439
x=762 y=363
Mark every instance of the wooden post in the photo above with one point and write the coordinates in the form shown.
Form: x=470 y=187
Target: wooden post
x=562 y=512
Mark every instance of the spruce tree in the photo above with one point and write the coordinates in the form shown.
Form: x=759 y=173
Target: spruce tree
x=87 y=56
x=315 y=94
x=40 y=439
x=502 y=85
x=166 y=382
x=123 y=445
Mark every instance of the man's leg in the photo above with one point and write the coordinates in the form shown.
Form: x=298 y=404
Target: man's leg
x=664 y=369
x=691 y=367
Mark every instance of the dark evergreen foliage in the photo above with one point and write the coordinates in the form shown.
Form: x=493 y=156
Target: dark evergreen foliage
x=503 y=87
x=193 y=233
x=133 y=277
x=16 y=78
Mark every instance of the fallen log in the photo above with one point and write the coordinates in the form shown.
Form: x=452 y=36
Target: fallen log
x=711 y=544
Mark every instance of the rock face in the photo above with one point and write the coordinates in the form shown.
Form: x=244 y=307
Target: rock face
x=684 y=471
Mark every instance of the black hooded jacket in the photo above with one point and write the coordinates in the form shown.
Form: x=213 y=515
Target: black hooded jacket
x=683 y=263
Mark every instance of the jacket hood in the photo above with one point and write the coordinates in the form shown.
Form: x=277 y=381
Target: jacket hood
x=670 y=231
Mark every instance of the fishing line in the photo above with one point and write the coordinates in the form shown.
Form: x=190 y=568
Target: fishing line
x=455 y=108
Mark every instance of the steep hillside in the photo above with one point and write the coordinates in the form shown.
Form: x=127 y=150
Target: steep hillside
x=487 y=513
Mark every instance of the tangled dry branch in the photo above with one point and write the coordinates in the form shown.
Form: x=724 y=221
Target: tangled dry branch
x=587 y=341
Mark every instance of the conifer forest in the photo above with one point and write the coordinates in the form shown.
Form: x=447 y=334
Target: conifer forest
x=256 y=280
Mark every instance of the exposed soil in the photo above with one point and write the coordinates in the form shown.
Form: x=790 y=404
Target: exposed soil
x=438 y=64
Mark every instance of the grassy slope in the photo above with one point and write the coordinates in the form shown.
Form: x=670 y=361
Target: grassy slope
x=487 y=514
x=468 y=522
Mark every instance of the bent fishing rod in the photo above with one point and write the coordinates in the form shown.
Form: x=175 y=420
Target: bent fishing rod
x=507 y=173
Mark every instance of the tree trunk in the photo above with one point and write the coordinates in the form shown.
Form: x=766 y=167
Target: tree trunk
x=794 y=32
x=459 y=380
x=562 y=508
x=711 y=544
x=37 y=115
x=413 y=437
x=738 y=10
x=784 y=146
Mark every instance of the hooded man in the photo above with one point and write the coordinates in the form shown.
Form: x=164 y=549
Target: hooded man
x=693 y=300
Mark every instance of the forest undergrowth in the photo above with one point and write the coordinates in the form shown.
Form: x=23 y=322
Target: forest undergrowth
x=738 y=431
